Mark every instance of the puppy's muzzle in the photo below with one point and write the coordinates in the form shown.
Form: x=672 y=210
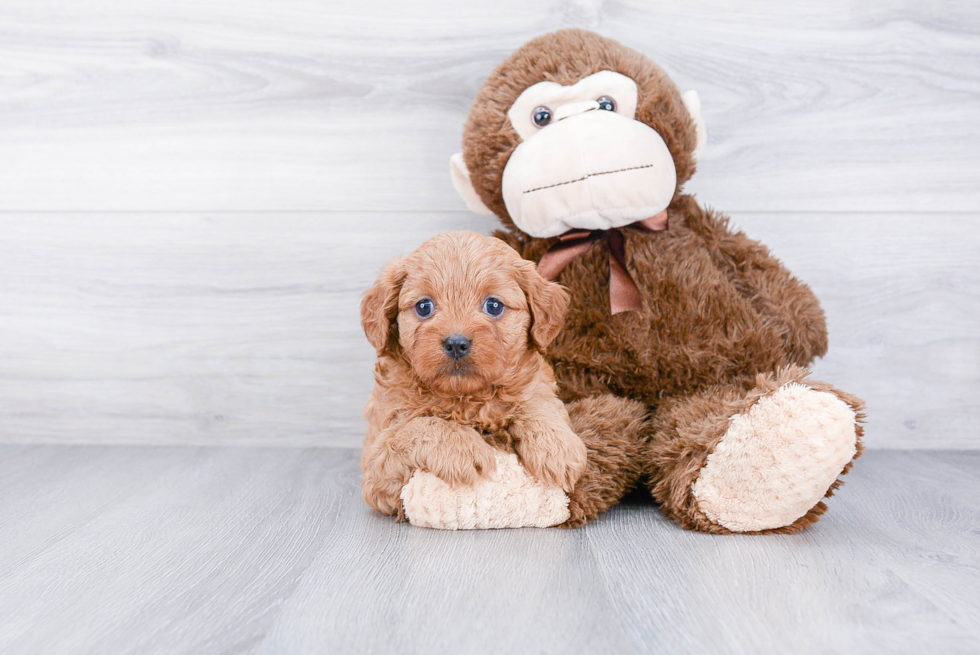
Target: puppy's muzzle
x=457 y=346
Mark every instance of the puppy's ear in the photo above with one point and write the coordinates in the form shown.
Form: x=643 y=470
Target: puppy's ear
x=379 y=309
x=547 y=301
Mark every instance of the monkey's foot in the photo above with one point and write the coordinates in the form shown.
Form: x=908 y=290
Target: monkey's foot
x=508 y=498
x=777 y=460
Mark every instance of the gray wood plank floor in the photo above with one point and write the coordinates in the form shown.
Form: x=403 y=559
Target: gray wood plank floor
x=235 y=550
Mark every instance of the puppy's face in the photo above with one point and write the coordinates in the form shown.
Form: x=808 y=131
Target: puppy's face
x=464 y=310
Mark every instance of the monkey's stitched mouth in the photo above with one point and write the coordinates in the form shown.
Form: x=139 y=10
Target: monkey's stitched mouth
x=583 y=179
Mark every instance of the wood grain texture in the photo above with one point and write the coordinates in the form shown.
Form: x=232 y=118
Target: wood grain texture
x=309 y=105
x=244 y=328
x=271 y=551
x=845 y=136
x=824 y=589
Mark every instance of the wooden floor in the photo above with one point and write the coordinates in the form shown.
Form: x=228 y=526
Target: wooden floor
x=110 y=549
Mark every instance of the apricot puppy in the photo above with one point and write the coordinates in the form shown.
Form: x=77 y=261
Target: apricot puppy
x=460 y=327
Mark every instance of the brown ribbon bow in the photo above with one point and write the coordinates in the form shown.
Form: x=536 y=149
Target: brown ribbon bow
x=624 y=296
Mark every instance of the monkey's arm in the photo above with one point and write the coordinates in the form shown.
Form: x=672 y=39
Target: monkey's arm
x=788 y=305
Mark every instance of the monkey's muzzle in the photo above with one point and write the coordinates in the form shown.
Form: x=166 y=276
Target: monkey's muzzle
x=594 y=171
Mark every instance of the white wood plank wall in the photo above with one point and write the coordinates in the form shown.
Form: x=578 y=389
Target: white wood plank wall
x=193 y=194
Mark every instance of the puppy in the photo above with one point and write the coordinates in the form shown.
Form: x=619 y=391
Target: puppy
x=460 y=326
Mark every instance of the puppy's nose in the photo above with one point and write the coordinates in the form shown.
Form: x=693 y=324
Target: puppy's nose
x=456 y=346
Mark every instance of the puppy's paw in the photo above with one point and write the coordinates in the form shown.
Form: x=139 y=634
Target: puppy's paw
x=455 y=453
x=384 y=502
x=462 y=465
x=383 y=480
x=553 y=454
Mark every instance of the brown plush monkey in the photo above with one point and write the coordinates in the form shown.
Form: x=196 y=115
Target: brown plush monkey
x=581 y=147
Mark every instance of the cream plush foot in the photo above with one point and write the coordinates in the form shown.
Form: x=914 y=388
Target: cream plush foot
x=777 y=460
x=508 y=498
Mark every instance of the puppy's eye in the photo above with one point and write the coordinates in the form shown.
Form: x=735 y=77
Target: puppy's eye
x=606 y=103
x=493 y=307
x=541 y=116
x=424 y=308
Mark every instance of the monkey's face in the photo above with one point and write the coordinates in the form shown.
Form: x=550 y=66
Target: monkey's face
x=576 y=131
x=584 y=162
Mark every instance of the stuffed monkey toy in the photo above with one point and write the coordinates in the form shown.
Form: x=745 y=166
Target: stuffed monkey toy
x=581 y=147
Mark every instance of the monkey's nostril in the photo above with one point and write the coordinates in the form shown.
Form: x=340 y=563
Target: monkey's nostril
x=456 y=346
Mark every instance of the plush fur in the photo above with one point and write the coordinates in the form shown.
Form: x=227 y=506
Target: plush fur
x=724 y=324
x=432 y=412
x=787 y=431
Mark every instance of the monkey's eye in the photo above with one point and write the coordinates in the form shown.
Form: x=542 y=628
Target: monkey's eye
x=606 y=103
x=541 y=116
x=424 y=308
x=493 y=307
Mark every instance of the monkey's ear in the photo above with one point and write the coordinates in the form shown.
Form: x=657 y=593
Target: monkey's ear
x=547 y=302
x=693 y=104
x=464 y=187
x=379 y=309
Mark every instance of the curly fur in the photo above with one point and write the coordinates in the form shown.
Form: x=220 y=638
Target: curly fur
x=432 y=412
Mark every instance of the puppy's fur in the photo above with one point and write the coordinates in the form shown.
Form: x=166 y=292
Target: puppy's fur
x=432 y=412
